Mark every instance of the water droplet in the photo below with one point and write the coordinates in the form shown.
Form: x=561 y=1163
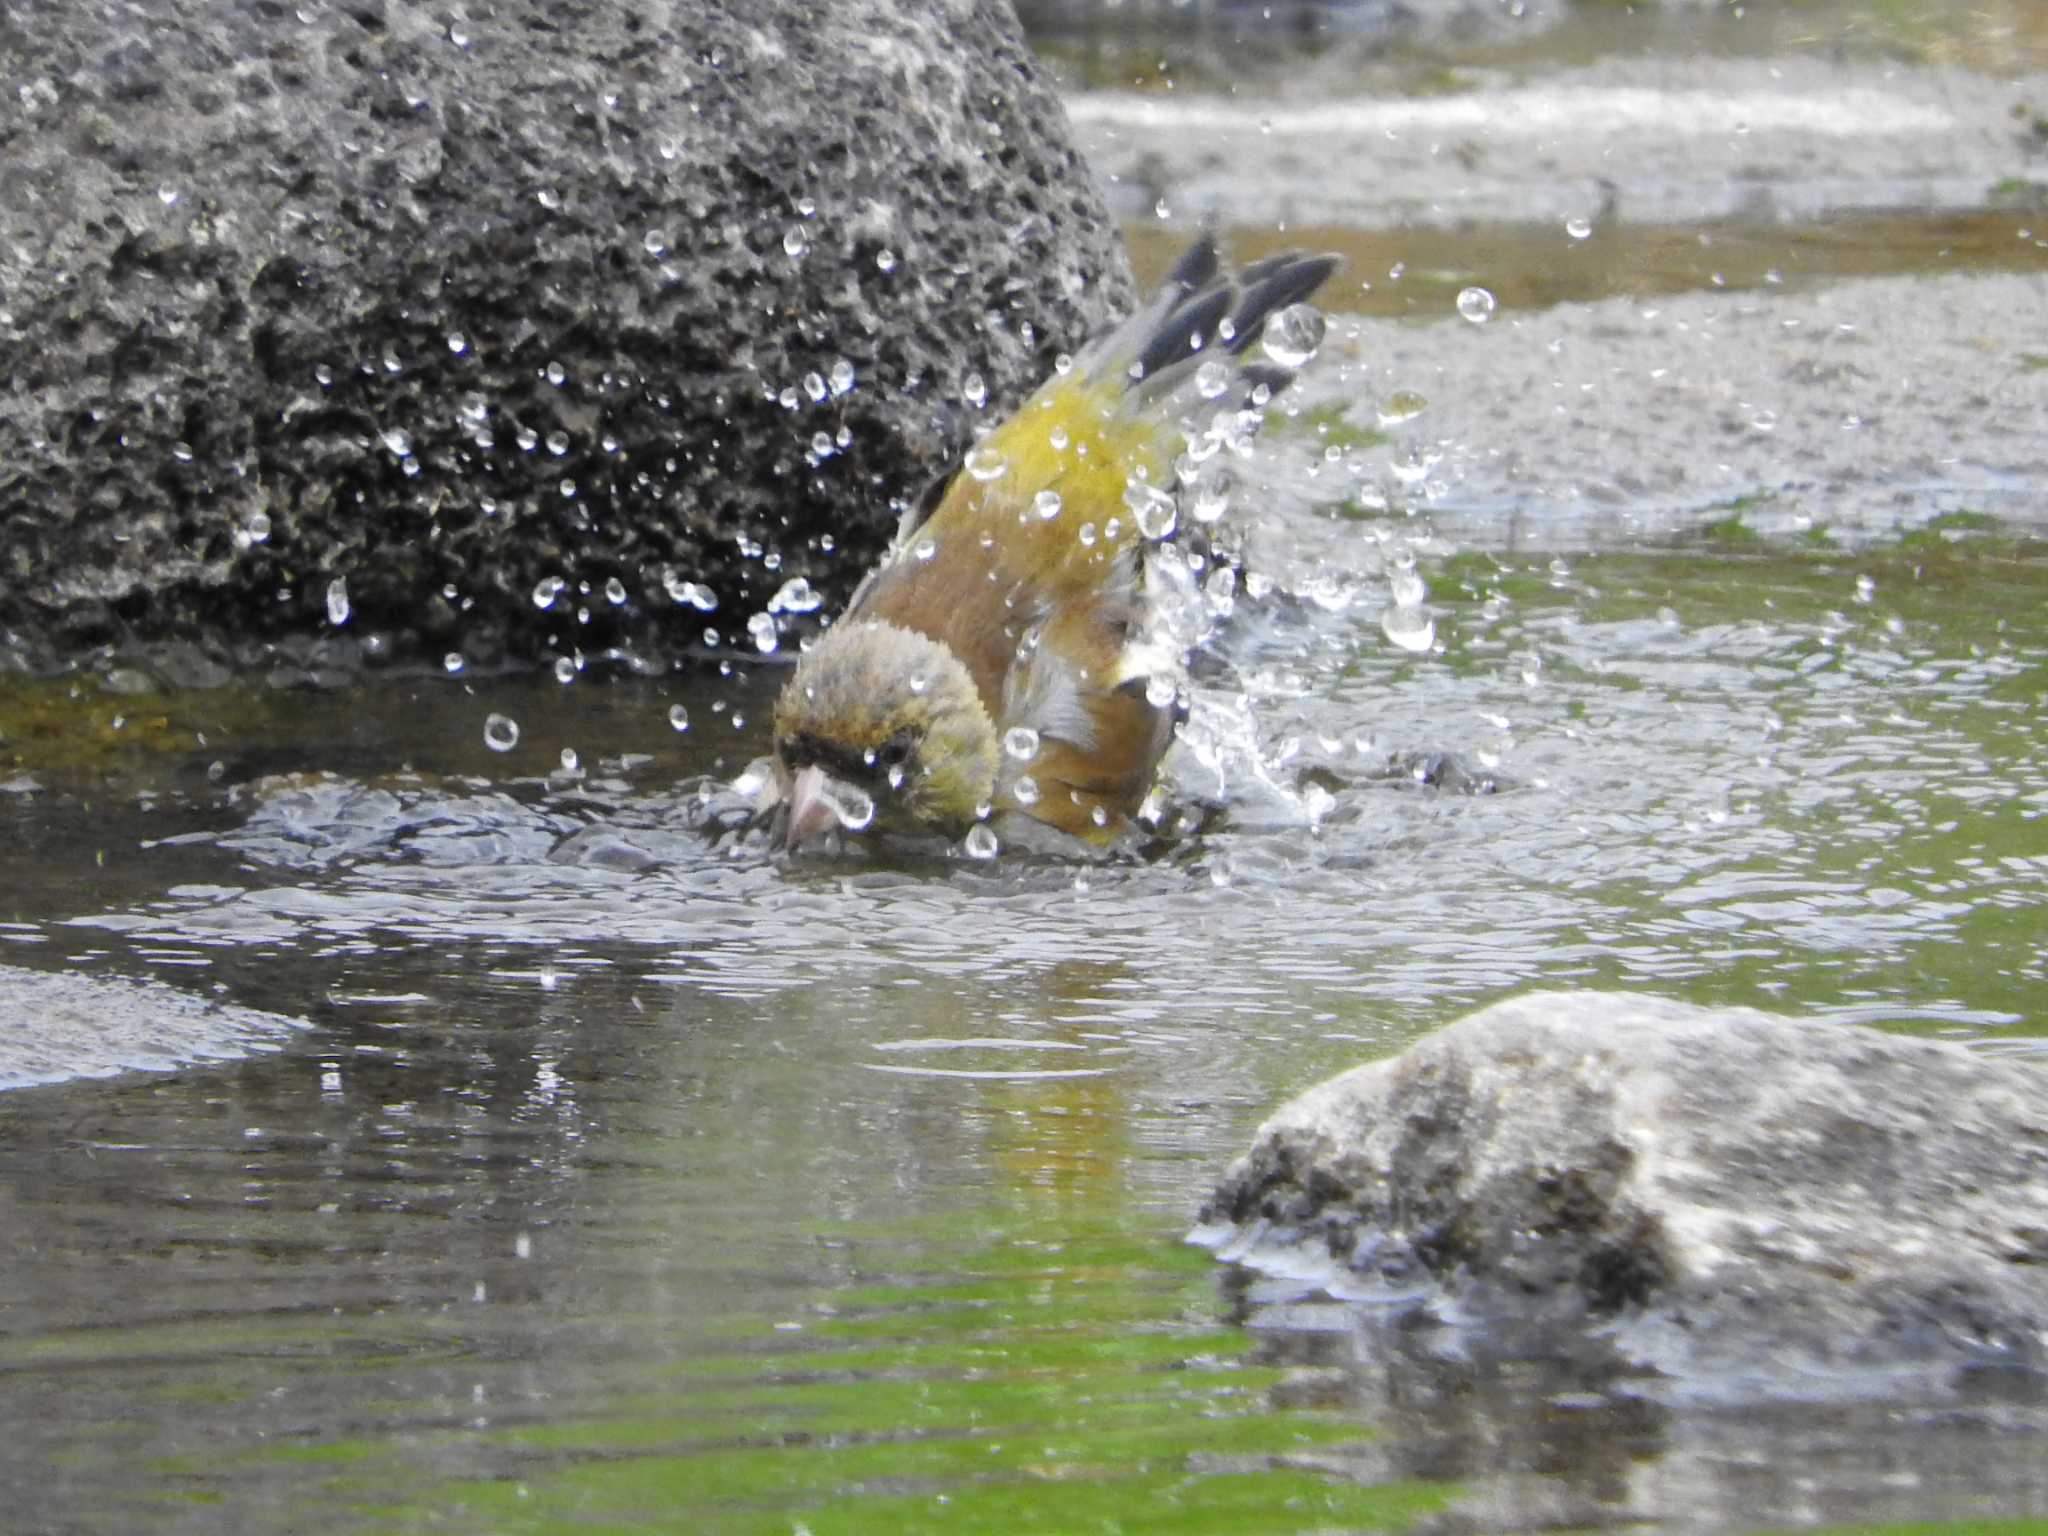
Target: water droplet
x=1153 y=509
x=694 y=594
x=762 y=628
x=1292 y=335
x=1160 y=690
x=457 y=343
x=985 y=463
x=795 y=242
x=570 y=762
x=794 y=596
x=814 y=385
x=565 y=670
x=182 y=452
x=980 y=842
x=655 y=242
x=1046 y=504
x=1411 y=629
x=853 y=806
x=821 y=445
x=1025 y=790
x=1211 y=379
x=974 y=390
x=615 y=591
x=1021 y=742
x=841 y=376
x=1402 y=405
x=678 y=718
x=546 y=590
x=1408 y=587
x=1764 y=421
x=257 y=527
x=926 y=548
x=555 y=373
x=1210 y=499
x=337 y=601
x=453 y=662
x=323 y=375
x=1329 y=591
x=1866 y=589
x=1578 y=228
x=919 y=682
x=1476 y=305
x=1087 y=535
x=398 y=442
x=501 y=733
x=558 y=443
x=886 y=260
x=1059 y=439
x=527 y=438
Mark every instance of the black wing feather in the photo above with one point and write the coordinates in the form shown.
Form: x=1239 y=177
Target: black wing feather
x=1197 y=300
x=1270 y=286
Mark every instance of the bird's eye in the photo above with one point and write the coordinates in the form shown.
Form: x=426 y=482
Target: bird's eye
x=894 y=752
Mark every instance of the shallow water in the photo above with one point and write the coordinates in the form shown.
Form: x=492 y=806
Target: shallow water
x=616 y=1152
x=580 y=1162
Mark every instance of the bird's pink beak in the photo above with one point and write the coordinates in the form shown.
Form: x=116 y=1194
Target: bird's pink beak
x=810 y=809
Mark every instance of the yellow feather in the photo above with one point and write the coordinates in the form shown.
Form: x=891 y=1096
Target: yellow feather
x=1078 y=439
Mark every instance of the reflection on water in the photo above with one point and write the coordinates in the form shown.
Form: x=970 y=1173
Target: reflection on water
x=599 y=1089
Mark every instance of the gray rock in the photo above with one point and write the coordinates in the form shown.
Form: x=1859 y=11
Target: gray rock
x=1750 y=1205
x=287 y=288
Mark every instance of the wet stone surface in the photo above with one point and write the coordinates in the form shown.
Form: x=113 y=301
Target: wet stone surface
x=1734 y=1206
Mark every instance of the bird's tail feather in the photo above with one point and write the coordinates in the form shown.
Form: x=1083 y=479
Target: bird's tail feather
x=1203 y=314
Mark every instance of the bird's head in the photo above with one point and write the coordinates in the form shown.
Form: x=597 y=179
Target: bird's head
x=876 y=714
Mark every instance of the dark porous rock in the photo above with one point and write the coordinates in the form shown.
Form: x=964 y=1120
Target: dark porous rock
x=1745 y=1205
x=465 y=306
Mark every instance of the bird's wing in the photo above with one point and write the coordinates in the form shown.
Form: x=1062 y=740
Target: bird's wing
x=1087 y=692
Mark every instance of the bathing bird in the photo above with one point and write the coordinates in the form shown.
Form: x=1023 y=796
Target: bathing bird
x=1014 y=653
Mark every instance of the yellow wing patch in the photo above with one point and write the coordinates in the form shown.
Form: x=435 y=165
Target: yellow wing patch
x=1049 y=484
